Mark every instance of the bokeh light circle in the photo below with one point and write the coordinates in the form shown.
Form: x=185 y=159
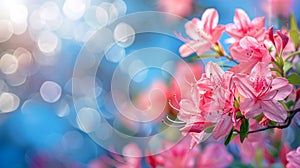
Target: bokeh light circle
x=8 y=102
x=50 y=91
x=122 y=31
x=6 y=30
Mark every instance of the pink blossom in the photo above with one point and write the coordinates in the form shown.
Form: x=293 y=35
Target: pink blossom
x=211 y=94
x=177 y=156
x=244 y=27
x=261 y=93
x=178 y=7
x=214 y=155
x=203 y=33
x=274 y=8
x=279 y=40
x=293 y=158
x=249 y=52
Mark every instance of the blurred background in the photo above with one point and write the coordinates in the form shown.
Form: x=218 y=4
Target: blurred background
x=39 y=45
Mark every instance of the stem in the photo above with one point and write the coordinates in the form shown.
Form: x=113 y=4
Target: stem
x=288 y=121
x=230 y=58
x=292 y=55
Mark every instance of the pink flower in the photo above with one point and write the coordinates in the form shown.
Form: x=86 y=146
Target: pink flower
x=261 y=93
x=249 y=52
x=277 y=7
x=210 y=96
x=244 y=27
x=178 y=156
x=178 y=7
x=214 y=155
x=279 y=40
x=203 y=33
x=293 y=158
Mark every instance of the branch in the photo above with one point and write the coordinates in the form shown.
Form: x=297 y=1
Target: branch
x=288 y=121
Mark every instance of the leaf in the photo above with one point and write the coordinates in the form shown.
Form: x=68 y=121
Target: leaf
x=294 y=34
x=244 y=130
x=293 y=78
x=287 y=66
x=229 y=137
x=275 y=69
x=209 y=129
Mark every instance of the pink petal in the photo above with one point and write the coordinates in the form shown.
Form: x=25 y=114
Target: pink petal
x=233 y=31
x=243 y=67
x=242 y=19
x=248 y=41
x=210 y=19
x=222 y=128
x=250 y=108
x=239 y=53
x=261 y=69
x=244 y=86
x=259 y=22
x=217 y=32
x=191 y=28
x=274 y=111
x=284 y=38
x=214 y=72
x=200 y=47
x=280 y=89
x=271 y=34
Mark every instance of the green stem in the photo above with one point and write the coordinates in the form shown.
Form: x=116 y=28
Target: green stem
x=292 y=55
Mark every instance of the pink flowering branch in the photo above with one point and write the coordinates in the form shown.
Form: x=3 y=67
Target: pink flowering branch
x=288 y=121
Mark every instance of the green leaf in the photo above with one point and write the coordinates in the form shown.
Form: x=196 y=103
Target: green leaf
x=209 y=129
x=244 y=130
x=293 y=78
x=290 y=104
x=294 y=34
x=229 y=137
x=287 y=66
x=276 y=70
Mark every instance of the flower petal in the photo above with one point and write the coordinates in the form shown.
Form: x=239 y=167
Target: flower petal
x=214 y=72
x=250 y=108
x=222 y=128
x=244 y=86
x=280 y=89
x=274 y=111
x=191 y=28
x=211 y=18
x=241 y=19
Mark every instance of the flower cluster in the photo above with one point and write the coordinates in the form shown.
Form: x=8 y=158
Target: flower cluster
x=257 y=87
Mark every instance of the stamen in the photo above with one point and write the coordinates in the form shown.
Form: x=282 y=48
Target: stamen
x=173 y=126
x=175 y=108
x=176 y=100
x=180 y=37
x=176 y=122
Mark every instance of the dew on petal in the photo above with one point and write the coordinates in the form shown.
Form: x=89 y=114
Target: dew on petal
x=124 y=35
x=8 y=102
x=50 y=91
